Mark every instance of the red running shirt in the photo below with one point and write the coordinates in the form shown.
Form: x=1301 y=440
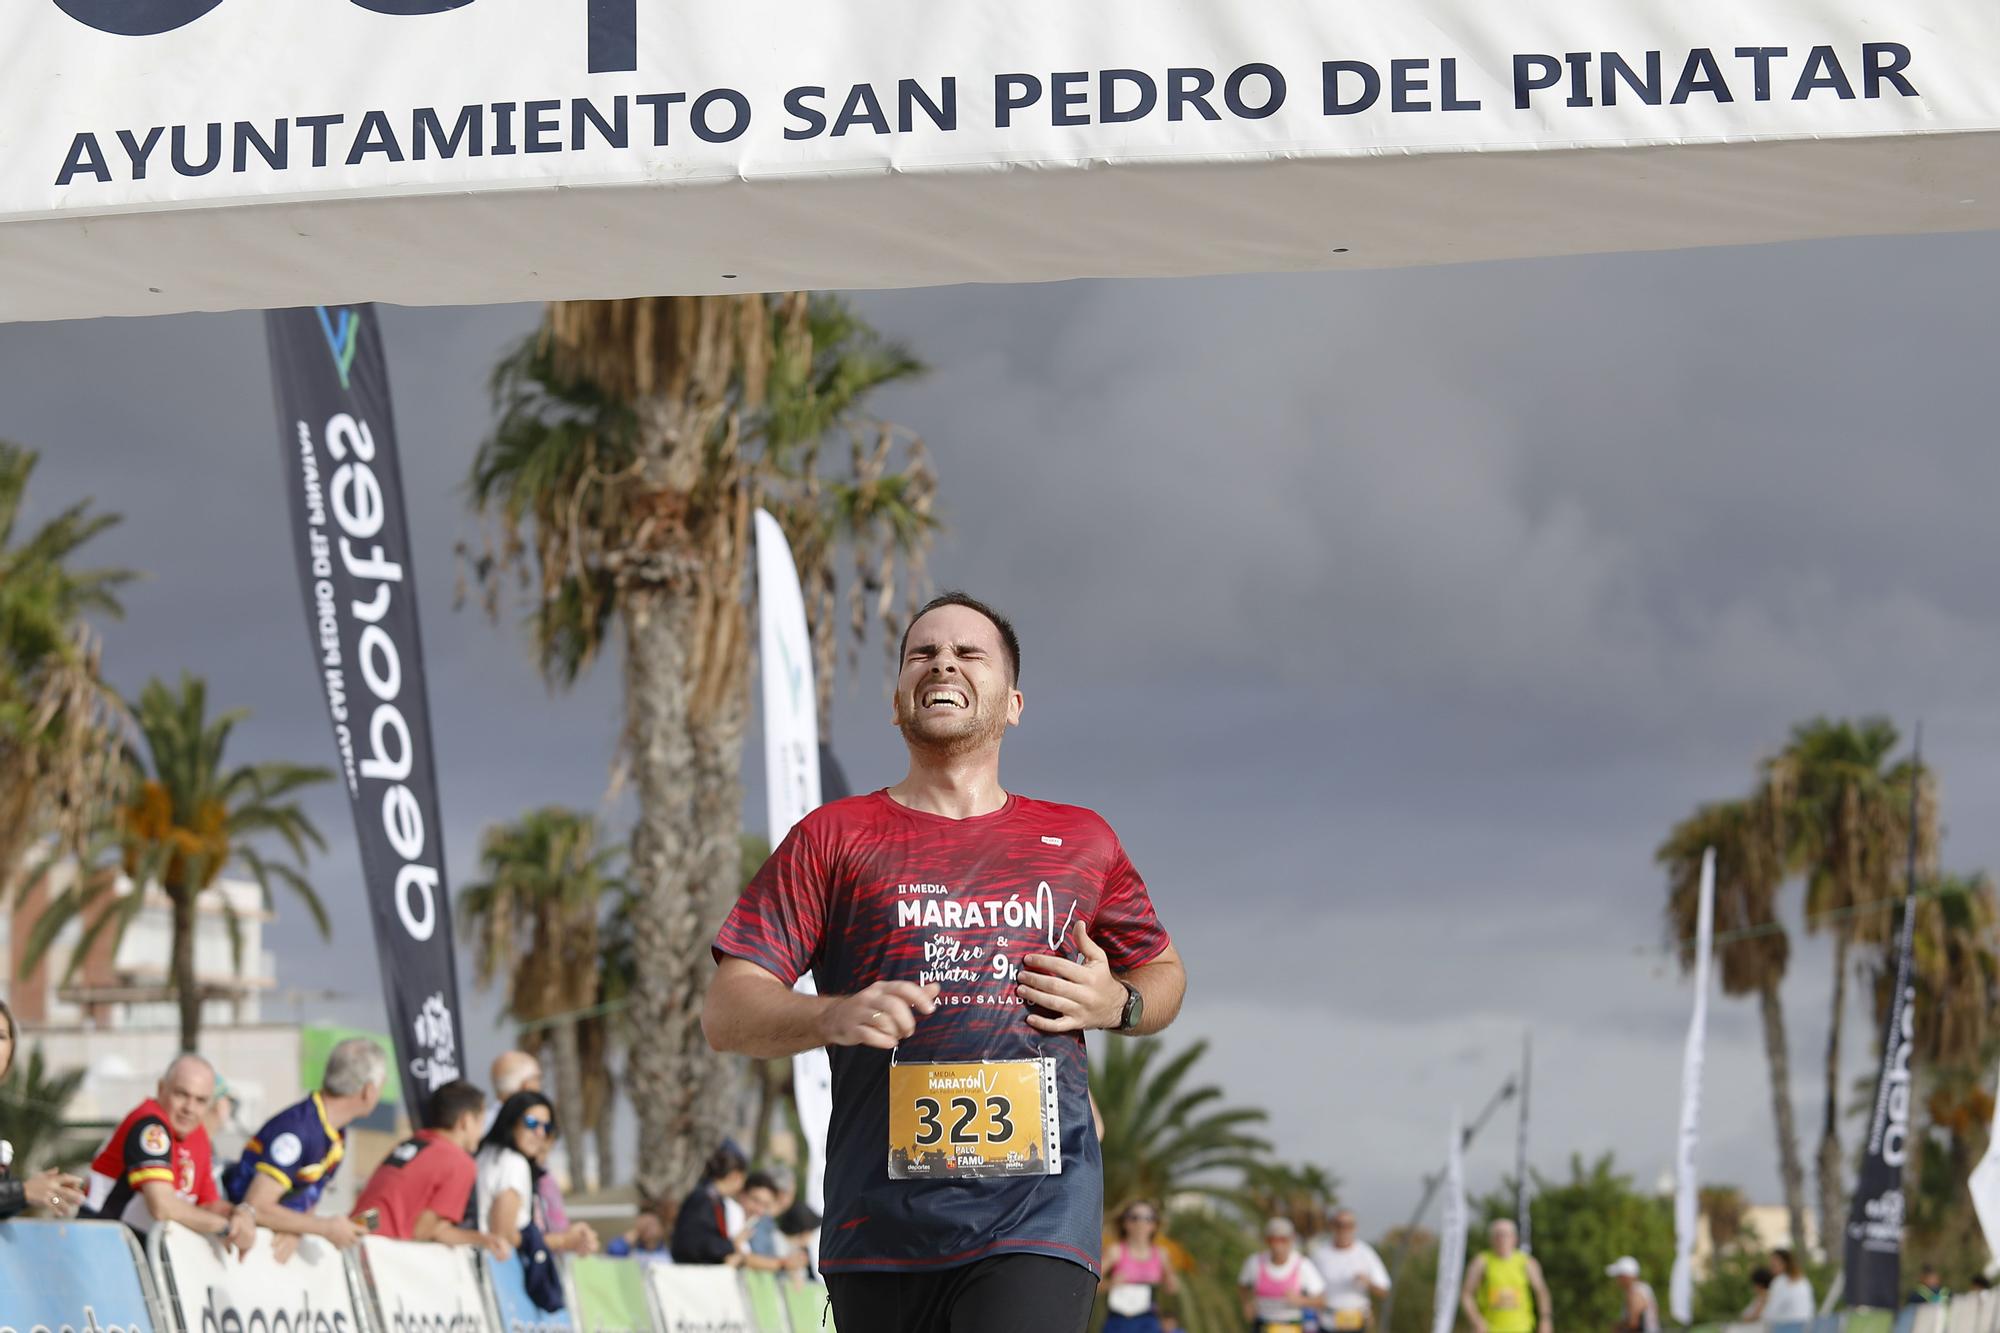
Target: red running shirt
x=867 y=890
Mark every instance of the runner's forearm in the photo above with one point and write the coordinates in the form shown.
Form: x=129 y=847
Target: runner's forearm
x=1162 y=984
x=750 y=1012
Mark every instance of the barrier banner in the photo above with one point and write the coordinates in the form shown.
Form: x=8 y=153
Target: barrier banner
x=610 y=1295
x=203 y=154
x=352 y=543
x=806 y=1303
x=417 y=1287
x=517 y=1313
x=71 y=1277
x=208 y=1288
x=766 y=1303
x=697 y=1299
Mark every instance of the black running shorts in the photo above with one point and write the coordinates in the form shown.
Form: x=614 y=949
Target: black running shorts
x=1011 y=1293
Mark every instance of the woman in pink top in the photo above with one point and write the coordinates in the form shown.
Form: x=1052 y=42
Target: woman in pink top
x=1136 y=1272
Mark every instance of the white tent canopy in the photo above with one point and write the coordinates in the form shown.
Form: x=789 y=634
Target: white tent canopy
x=167 y=155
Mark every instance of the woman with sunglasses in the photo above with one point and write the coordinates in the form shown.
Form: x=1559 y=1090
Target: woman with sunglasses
x=507 y=1194
x=1137 y=1272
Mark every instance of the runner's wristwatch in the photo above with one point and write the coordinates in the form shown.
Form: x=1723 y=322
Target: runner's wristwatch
x=1134 y=1011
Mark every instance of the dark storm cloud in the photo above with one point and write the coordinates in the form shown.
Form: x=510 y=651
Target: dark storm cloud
x=1391 y=617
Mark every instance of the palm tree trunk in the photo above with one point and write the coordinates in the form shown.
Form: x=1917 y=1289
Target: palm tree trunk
x=1831 y=1167
x=569 y=1100
x=1777 y=1052
x=607 y=1171
x=675 y=1081
x=187 y=990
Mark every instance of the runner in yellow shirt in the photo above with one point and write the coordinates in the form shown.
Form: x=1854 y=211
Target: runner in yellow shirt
x=1504 y=1291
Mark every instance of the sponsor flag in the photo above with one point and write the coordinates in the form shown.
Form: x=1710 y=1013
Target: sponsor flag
x=793 y=758
x=1522 y=1222
x=1451 y=1234
x=1687 y=1207
x=352 y=542
x=1874 y=1271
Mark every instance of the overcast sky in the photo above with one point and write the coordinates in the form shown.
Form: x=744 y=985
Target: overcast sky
x=1392 y=618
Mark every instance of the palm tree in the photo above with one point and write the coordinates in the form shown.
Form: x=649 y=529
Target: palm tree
x=186 y=818
x=1846 y=815
x=57 y=752
x=34 y=1110
x=1163 y=1138
x=1724 y=1208
x=1306 y=1195
x=534 y=919
x=1751 y=949
x=634 y=439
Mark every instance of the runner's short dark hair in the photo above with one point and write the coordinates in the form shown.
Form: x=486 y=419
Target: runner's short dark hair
x=953 y=597
x=762 y=1180
x=449 y=1104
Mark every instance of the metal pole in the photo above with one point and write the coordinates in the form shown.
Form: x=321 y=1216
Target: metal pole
x=1432 y=1183
x=1521 y=1219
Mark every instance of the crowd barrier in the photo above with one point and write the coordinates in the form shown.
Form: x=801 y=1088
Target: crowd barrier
x=93 y=1277
x=1973 y=1312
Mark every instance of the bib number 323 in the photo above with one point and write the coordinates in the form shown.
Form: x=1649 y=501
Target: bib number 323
x=981 y=1118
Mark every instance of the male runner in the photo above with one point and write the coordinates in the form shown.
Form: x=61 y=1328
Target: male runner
x=963 y=938
x=1499 y=1283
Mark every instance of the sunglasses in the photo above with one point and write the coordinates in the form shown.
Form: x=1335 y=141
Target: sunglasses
x=535 y=1123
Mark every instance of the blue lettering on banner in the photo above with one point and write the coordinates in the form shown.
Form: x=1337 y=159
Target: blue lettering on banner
x=70 y=1277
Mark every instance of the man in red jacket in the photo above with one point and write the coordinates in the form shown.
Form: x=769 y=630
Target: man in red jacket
x=421 y=1190
x=156 y=1166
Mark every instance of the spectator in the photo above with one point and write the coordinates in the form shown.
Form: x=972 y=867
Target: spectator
x=422 y=1190
x=765 y=1237
x=155 y=1166
x=1930 y=1289
x=510 y=1164
x=701 y=1233
x=517 y=1071
x=646 y=1240
x=1981 y=1282
x=288 y=1163
x=762 y=1200
x=1760 y=1294
x=800 y=1225
x=1791 y=1296
x=57 y=1191
x=582 y=1236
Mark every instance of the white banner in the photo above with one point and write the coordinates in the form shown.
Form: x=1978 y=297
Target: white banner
x=1451 y=1234
x=485 y=150
x=691 y=1299
x=209 y=1288
x=424 y=1288
x=791 y=790
x=1687 y=1200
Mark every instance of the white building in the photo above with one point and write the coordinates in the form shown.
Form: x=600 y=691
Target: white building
x=116 y=1016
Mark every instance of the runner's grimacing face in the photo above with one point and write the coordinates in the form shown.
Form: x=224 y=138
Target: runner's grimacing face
x=953 y=692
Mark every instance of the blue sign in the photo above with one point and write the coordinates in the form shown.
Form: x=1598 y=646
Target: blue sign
x=518 y=1314
x=71 y=1277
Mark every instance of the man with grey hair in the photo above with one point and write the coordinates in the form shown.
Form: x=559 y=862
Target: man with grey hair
x=286 y=1166
x=155 y=1167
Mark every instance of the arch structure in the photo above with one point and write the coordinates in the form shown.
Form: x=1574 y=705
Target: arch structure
x=169 y=155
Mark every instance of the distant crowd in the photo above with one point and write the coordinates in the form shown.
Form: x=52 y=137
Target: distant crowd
x=475 y=1174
